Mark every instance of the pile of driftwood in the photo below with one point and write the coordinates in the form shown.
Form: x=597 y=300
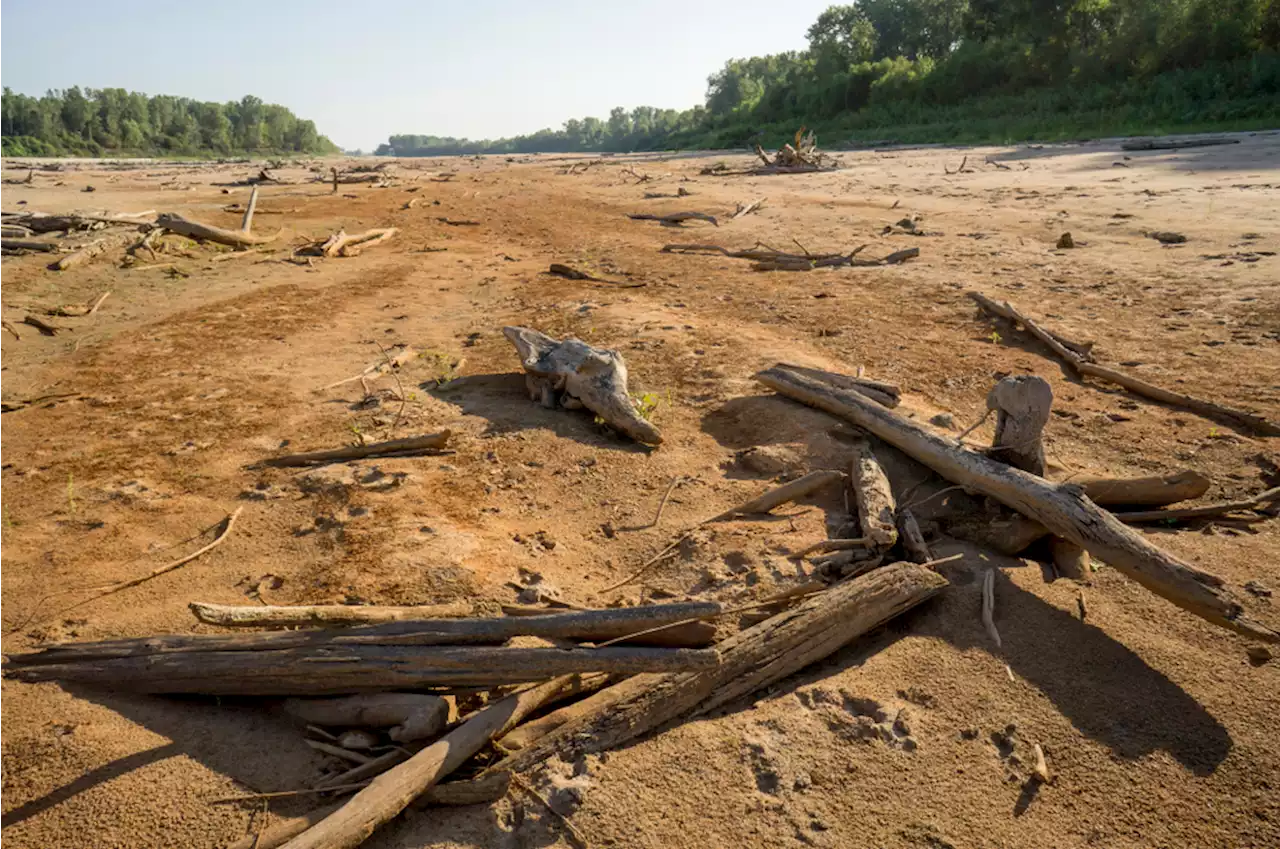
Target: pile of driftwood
x=799 y=156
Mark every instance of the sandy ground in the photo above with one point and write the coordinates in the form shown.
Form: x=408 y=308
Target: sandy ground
x=1157 y=728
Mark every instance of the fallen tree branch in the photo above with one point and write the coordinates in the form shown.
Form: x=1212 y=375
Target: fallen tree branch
x=874 y=497
x=29 y=245
x=44 y=328
x=1175 y=144
x=1084 y=367
x=1064 y=511
x=1155 y=491
x=196 y=230
x=570 y=273
x=989 y=605
x=88 y=253
x=1269 y=497
x=249 y=616
x=246 y=223
x=748 y=208
x=776 y=497
x=675 y=219
x=392 y=448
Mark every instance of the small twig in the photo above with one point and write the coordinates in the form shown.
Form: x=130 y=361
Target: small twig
x=93 y=309
x=280 y=794
x=971 y=428
x=929 y=498
x=338 y=752
x=575 y=836
x=662 y=505
x=395 y=373
x=648 y=564
x=833 y=545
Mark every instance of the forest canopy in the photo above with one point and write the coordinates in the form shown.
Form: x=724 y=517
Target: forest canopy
x=963 y=70
x=115 y=122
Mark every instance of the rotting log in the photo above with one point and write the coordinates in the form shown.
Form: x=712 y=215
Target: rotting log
x=271 y=616
x=874 y=497
x=29 y=245
x=1153 y=491
x=526 y=734
x=584 y=625
x=410 y=716
x=348 y=669
x=393 y=791
x=557 y=370
x=1064 y=510
x=750 y=661
x=393 y=447
x=1085 y=367
x=206 y=232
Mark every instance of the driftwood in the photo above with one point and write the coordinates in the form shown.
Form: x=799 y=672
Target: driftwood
x=29 y=245
x=779 y=495
x=1085 y=367
x=393 y=791
x=1175 y=144
x=1155 y=491
x=246 y=223
x=828 y=545
x=874 y=497
x=410 y=716
x=675 y=219
x=45 y=328
x=248 y=616
x=1269 y=497
x=748 y=208
x=562 y=373
x=570 y=273
x=912 y=538
x=769 y=259
x=208 y=233
x=989 y=605
x=1063 y=510
x=523 y=736
x=88 y=253
x=345 y=669
x=410 y=445
x=382 y=366
x=478 y=791
x=346 y=245
x=884 y=394
x=751 y=660
x=78 y=310
x=588 y=625
x=1069 y=559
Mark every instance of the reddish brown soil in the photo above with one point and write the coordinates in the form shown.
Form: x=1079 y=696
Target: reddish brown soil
x=1157 y=728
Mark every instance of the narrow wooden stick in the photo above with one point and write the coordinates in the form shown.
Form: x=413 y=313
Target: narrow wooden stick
x=989 y=606
x=408 y=445
x=338 y=752
x=1270 y=496
x=874 y=497
x=246 y=223
x=776 y=497
x=823 y=546
x=271 y=616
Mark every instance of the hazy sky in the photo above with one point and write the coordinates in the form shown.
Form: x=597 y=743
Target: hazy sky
x=362 y=71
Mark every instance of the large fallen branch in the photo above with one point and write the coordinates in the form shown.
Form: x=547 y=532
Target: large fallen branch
x=391 y=448
x=1062 y=509
x=1084 y=366
x=583 y=625
x=88 y=253
x=571 y=372
x=675 y=219
x=344 y=669
x=270 y=616
x=194 y=229
x=1155 y=491
x=768 y=259
x=393 y=791
x=750 y=661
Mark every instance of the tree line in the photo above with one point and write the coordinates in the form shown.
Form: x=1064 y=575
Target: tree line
x=964 y=70
x=115 y=122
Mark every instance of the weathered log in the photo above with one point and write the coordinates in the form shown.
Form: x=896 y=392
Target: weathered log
x=1063 y=510
x=410 y=716
x=592 y=625
x=1174 y=144
x=394 y=447
x=195 y=230
x=595 y=377
x=874 y=497
x=1084 y=367
x=88 y=253
x=29 y=245
x=751 y=660
x=1081 y=349
x=1268 y=497
x=1022 y=405
x=391 y=792
x=748 y=208
x=523 y=736
x=1070 y=560
x=271 y=616
x=779 y=495
x=885 y=394
x=477 y=791
x=675 y=219
x=1154 y=491
x=345 y=669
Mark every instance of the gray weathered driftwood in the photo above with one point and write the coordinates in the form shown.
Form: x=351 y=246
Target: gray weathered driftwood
x=1062 y=509
x=196 y=230
x=410 y=716
x=874 y=497
x=1153 y=491
x=751 y=660
x=571 y=372
x=272 y=616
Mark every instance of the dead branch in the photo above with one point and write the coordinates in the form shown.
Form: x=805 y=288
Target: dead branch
x=675 y=219
x=776 y=497
x=1174 y=144
x=248 y=616
x=989 y=605
x=748 y=208
x=1154 y=491
x=1064 y=511
x=1263 y=498
x=874 y=496
x=205 y=232
x=1084 y=350
x=404 y=355
x=912 y=539
x=392 y=448
x=458 y=223
x=29 y=245
x=572 y=370
x=410 y=716
x=246 y=223
x=45 y=329
x=570 y=273
x=87 y=253
x=1084 y=367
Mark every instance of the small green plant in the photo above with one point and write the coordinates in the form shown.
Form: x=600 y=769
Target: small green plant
x=646 y=404
x=1213 y=433
x=444 y=368
x=995 y=337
